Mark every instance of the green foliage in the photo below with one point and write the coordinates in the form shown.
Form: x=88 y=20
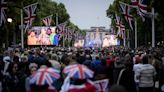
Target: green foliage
x=143 y=28
x=44 y=8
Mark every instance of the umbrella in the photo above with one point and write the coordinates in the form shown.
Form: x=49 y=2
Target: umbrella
x=78 y=71
x=44 y=76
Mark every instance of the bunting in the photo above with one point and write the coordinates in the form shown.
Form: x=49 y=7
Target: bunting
x=70 y=32
x=47 y=20
x=30 y=12
x=141 y=6
x=61 y=28
x=126 y=12
x=120 y=26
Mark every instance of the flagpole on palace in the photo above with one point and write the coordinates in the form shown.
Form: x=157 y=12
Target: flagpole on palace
x=153 y=29
x=135 y=33
x=22 y=31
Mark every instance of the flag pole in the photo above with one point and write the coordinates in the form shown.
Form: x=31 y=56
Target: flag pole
x=124 y=39
x=135 y=33
x=63 y=37
x=56 y=19
x=22 y=31
x=153 y=29
x=68 y=38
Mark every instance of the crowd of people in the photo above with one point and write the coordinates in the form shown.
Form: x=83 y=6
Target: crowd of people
x=119 y=69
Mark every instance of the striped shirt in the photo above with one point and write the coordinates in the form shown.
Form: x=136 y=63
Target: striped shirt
x=146 y=74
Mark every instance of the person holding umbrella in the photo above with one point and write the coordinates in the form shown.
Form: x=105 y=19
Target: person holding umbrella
x=42 y=79
x=77 y=79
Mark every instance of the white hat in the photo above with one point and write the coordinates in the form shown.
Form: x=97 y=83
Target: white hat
x=33 y=65
x=6 y=59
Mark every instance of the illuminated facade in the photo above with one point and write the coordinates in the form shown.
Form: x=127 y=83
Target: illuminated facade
x=94 y=36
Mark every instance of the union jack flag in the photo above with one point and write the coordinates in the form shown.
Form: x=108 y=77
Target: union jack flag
x=47 y=20
x=141 y=6
x=120 y=26
x=3 y=6
x=30 y=11
x=44 y=76
x=126 y=12
x=61 y=28
x=101 y=85
x=70 y=32
x=78 y=71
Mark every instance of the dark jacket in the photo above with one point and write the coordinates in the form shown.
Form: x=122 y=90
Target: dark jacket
x=127 y=80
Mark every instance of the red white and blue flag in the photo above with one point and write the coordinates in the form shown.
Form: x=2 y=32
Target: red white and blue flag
x=126 y=12
x=61 y=28
x=47 y=20
x=141 y=6
x=101 y=85
x=44 y=76
x=78 y=71
x=30 y=12
x=120 y=26
x=70 y=32
x=66 y=33
x=3 y=6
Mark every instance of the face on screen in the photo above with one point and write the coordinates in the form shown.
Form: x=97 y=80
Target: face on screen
x=43 y=31
x=32 y=34
x=52 y=30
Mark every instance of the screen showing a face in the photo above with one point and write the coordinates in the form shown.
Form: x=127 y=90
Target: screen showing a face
x=42 y=36
x=109 y=40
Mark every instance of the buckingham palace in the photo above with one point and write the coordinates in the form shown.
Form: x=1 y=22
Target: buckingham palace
x=94 y=36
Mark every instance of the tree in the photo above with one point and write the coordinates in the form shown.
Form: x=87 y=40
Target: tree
x=144 y=28
x=45 y=8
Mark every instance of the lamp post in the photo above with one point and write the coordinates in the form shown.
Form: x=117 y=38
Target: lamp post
x=20 y=7
x=9 y=20
x=22 y=31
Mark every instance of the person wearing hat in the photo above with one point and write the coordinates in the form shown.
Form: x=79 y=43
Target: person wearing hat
x=32 y=68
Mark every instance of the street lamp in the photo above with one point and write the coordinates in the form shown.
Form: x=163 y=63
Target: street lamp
x=9 y=20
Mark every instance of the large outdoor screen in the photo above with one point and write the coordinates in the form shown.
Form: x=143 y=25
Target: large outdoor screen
x=42 y=36
x=109 y=40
